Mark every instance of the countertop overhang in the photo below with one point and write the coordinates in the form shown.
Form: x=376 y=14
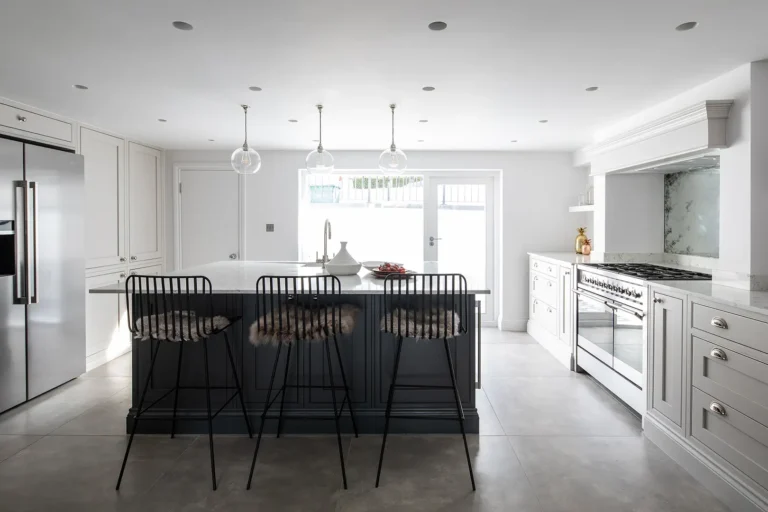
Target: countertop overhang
x=239 y=277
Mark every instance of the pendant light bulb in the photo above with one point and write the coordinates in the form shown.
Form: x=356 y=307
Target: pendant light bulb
x=246 y=160
x=320 y=161
x=393 y=160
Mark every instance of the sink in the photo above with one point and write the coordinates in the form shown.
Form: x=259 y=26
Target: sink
x=313 y=264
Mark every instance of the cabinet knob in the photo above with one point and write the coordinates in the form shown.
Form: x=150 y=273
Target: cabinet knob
x=133 y=258
x=717 y=408
x=233 y=256
x=549 y=269
x=719 y=322
x=133 y=273
x=719 y=353
x=122 y=259
x=535 y=265
x=122 y=276
x=549 y=283
x=21 y=119
x=657 y=301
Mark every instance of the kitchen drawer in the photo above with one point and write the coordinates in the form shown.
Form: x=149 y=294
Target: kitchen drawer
x=30 y=122
x=544 y=288
x=735 y=437
x=544 y=267
x=737 y=380
x=545 y=315
x=743 y=330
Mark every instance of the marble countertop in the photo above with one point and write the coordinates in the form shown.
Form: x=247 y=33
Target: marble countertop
x=240 y=277
x=569 y=258
x=755 y=301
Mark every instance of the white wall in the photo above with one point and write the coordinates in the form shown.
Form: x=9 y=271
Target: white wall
x=536 y=190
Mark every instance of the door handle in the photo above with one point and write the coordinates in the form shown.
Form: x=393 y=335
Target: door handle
x=20 y=282
x=34 y=299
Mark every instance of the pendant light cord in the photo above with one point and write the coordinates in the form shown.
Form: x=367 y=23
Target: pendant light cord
x=320 y=140
x=392 y=147
x=245 y=143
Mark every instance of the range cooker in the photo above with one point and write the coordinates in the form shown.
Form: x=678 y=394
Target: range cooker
x=612 y=323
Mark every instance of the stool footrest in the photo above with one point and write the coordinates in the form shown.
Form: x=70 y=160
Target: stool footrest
x=414 y=417
x=421 y=386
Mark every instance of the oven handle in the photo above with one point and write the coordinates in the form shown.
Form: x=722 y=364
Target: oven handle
x=591 y=296
x=614 y=305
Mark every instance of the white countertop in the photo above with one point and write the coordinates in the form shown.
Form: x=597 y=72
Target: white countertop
x=241 y=276
x=567 y=257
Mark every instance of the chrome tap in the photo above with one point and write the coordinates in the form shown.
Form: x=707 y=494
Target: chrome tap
x=326 y=237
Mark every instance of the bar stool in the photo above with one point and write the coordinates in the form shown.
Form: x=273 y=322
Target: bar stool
x=178 y=310
x=293 y=309
x=438 y=309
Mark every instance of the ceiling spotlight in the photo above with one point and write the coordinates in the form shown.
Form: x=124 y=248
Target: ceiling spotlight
x=428 y=88
x=688 y=25
x=420 y=140
x=515 y=140
x=163 y=120
x=293 y=120
x=591 y=89
x=211 y=140
x=255 y=88
x=438 y=25
x=423 y=120
x=81 y=87
x=182 y=25
x=542 y=121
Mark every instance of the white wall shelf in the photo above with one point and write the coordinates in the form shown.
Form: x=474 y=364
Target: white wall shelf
x=583 y=208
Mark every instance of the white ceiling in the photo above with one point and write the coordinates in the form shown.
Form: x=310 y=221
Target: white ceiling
x=499 y=67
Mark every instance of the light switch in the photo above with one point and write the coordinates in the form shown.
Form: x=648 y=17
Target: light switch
x=270 y=228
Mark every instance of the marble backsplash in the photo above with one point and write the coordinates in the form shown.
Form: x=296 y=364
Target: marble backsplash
x=692 y=213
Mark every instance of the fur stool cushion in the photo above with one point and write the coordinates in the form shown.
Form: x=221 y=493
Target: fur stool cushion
x=416 y=323
x=181 y=325
x=311 y=324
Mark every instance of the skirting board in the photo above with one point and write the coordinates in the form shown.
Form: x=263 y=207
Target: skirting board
x=550 y=342
x=734 y=494
x=101 y=357
x=514 y=325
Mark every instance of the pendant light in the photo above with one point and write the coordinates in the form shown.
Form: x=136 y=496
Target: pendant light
x=393 y=160
x=245 y=160
x=320 y=161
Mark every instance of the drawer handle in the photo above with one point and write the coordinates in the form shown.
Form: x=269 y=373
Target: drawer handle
x=549 y=269
x=719 y=322
x=535 y=265
x=535 y=278
x=549 y=310
x=717 y=408
x=549 y=283
x=21 y=119
x=719 y=353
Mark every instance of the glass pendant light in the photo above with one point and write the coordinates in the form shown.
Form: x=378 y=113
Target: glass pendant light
x=245 y=160
x=393 y=160
x=320 y=161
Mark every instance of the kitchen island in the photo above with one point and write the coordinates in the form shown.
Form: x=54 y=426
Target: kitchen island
x=367 y=353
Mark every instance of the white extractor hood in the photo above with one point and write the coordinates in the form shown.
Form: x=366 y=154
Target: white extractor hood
x=663 y=144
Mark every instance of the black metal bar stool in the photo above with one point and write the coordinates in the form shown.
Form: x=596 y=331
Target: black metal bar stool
x=178 y=310
x=290 y=310
x=425 y=307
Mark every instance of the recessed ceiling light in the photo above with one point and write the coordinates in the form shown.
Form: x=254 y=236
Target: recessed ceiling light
x=315 y=140
x=423 y=120
x=211 y=140
x=688 y=25
x=293 y=120
x=81 y=87
x=515 y=140
x=255 y=88
x=542 y=121
x=591 y=89
x=163 y=120
x=182 y=25
x=428 y=88
x=438 y=25
x=420 y=140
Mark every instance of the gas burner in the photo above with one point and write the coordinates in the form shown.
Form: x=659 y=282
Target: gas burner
x=650 y=272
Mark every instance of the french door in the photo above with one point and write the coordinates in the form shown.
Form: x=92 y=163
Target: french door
x=459 y=231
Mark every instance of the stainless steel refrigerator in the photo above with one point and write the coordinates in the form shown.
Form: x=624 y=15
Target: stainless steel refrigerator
x=42 y=270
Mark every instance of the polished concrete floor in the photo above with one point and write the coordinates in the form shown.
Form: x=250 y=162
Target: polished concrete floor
x=550 y=441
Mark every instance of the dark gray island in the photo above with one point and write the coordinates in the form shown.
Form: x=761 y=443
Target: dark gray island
x=368 y=356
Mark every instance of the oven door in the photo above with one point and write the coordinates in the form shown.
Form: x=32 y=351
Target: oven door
x=594 y=326
x=629 y=330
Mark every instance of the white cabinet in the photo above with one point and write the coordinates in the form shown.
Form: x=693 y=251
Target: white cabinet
x=145 y=176
x=106 y=331
x=550 y=309
x=105 y=220
x=564 y=304
x=150 y=270
x=27 y=124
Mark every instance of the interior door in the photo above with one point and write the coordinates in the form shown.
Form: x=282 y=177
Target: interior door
x=209 y=218
x=458 y=231
x=56 y=313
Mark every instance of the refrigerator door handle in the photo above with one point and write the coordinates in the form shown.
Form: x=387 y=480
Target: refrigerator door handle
x=35 y=260
x=20 y=282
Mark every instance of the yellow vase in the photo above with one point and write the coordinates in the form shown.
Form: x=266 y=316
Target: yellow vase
x=580 y=239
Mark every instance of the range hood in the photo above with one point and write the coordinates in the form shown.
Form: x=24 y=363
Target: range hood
x=686 y=140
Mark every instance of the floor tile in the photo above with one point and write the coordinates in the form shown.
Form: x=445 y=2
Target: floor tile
x=292 y=473
x=489 y=423
x=80 y=472
x=12 y=444
x=491 y=336
x=607 y=474
x=504 y=360
x=118 y=367
x=429 y=473
x=109 y=418
x=570 y=406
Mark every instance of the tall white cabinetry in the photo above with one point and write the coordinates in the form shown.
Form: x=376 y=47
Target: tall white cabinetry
x=551 y=312
x=124 y=204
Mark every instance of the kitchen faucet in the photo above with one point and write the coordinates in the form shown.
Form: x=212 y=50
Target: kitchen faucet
x=326 y=237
